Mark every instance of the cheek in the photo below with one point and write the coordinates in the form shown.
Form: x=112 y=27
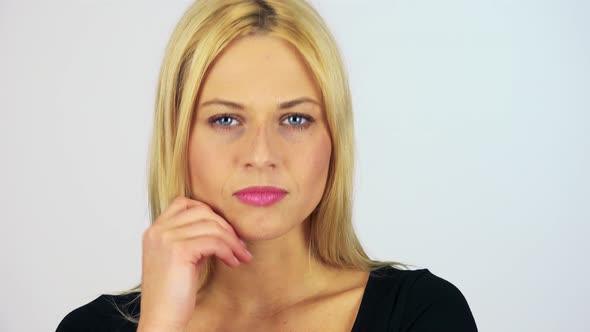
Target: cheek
x=209 y=153
x=205 y=167
x=317 y=162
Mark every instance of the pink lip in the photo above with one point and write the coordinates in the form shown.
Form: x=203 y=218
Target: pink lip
x=261 y=196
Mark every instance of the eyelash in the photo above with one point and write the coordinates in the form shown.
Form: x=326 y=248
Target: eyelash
x=308 y=121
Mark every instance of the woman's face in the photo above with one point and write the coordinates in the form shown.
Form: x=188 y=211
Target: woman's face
x=241 y=137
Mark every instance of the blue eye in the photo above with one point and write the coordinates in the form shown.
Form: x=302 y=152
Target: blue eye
x=295 y=121
x=225 y=123
x=296 y=116
x=307 y=121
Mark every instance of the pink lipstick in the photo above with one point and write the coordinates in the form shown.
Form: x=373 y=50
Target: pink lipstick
x=260 y=196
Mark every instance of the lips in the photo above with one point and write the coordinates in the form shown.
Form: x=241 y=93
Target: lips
x=260 y=195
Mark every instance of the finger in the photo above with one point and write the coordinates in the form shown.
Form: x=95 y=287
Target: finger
x=197 y=213
x=178 y=204
x=205 y=246
x=209 y=227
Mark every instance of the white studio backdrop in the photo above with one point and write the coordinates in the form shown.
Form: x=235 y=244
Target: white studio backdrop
x=472 y=127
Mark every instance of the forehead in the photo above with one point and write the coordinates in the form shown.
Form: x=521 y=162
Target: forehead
x=257 y=68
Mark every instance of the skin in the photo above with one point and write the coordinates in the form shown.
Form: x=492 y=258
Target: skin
x=263 y=144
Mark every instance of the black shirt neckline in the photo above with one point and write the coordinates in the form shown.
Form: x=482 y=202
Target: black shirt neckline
x=362 y=314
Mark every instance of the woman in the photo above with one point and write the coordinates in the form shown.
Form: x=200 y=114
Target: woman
x=251 y=192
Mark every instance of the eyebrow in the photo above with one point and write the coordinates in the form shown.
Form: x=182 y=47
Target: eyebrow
x=283 y=105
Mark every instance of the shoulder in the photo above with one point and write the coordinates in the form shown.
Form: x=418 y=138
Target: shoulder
x=102 y=314
x=418 y=300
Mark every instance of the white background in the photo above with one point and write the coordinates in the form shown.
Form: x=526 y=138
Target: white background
x=472 y=131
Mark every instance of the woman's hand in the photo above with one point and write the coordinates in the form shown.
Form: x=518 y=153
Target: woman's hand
x=175 y=247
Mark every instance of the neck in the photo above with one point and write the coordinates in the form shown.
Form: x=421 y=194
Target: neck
x=281 y=273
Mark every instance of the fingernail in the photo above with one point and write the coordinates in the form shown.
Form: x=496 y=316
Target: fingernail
x=236 y=260
x=243 y=243
x=248 y=253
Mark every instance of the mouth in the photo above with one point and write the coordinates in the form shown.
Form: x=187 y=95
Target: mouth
x=260 y=195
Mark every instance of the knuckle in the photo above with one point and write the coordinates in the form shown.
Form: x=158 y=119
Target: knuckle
x=220 y=230
x=216 y=242
x=148 y=234
x=200 y=204
x=165 y=239
x=214 y=224
x=228 y=251
x=201 y=207
x=180 y=201
x=155 y=236
x=176 y=248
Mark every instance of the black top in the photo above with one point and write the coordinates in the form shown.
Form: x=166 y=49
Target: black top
x=394 y=300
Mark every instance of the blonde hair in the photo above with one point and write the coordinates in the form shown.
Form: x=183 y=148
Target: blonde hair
x=204 y=30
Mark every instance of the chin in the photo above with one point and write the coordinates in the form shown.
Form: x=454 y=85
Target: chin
x=255 y=227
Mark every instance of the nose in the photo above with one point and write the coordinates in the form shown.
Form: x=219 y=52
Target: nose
x=260 y=151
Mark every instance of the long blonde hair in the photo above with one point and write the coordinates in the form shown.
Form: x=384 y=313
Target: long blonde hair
x=204 y=30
